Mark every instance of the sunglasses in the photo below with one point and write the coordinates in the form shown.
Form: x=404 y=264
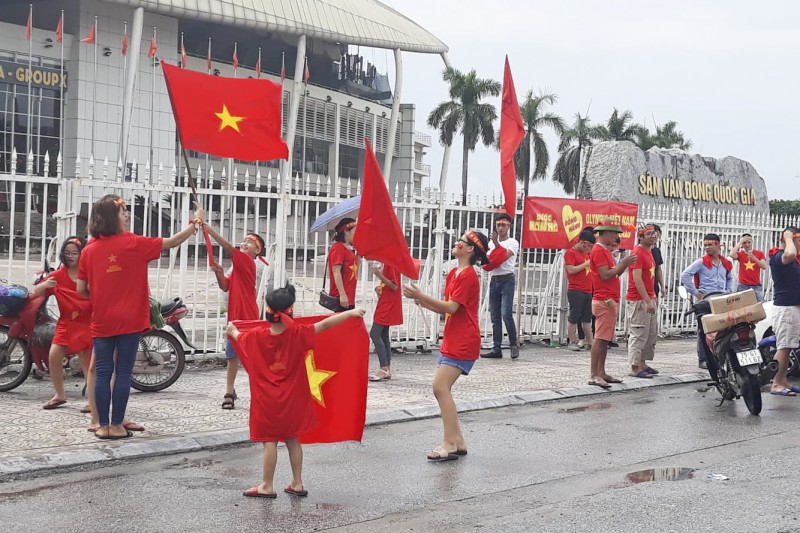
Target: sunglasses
x=465 y=241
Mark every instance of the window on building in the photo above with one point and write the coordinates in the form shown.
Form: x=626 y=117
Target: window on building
x=349 y=161
x=315 y=158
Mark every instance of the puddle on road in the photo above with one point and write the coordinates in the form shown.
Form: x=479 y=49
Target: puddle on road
x=582 y=408
x=674 y=473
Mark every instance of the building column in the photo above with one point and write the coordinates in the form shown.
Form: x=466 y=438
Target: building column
x=130 y=82
x=286 y=171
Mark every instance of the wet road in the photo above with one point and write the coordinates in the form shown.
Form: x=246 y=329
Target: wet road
x=560 y=466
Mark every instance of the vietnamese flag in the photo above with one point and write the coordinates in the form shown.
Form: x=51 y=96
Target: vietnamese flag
x=151 y=52
x=511 y=133
x=336 y=372
x=29 y=25
x=378 y=232
x=125 y=43
x=60 y=29
x=226 y=117
x=92 y=37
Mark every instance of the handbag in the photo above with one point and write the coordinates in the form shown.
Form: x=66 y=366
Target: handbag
x=12 y=299
x=327 y=301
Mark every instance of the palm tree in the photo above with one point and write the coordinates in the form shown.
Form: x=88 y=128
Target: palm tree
x=574 y=139
x=668 y=136
x=535 y=119
x=620 y=127
x=465 y=112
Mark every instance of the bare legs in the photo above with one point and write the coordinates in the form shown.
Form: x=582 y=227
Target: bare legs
x=443 y=381
x=267 y=485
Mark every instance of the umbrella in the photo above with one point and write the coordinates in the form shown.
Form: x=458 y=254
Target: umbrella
x=327 y=221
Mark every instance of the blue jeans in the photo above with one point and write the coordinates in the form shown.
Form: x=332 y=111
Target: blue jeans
x=501 y=299
x=758 y=289
x=126 y=347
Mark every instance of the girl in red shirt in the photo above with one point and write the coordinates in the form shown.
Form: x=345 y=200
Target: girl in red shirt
x=388 y=312
x=461 y=342
x=281 y=406
x=112 y=274
x=343 y=264
x=75 y=315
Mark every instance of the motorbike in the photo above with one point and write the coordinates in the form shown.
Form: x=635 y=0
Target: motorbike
x=765 y=335
x=25 y=340
x=735 y=364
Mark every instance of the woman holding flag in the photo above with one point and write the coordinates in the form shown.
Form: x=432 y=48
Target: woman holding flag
x=461 y=342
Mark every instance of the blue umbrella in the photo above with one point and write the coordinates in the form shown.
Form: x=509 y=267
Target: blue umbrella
x=327 y=221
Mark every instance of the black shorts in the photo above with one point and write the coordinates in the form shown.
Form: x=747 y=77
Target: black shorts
x=580 y=307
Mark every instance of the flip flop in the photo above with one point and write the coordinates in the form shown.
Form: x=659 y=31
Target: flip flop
x=128 y=435
x=85 y=410
x=460 y=453
x=598 y=384
x=783 y=392
x=610 y=379
x=795 y=388
x=641 y=374
x=302 y=493
x=439 y=455
x=133 y=426
x=651 y=370
x=53 y=404
x=253 y=493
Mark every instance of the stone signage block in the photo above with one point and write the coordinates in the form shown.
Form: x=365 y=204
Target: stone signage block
x=620 y=171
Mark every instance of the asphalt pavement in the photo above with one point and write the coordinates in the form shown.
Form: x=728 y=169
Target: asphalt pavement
x=581 y=464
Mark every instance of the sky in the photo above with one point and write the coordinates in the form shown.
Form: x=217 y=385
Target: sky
x=726 y=72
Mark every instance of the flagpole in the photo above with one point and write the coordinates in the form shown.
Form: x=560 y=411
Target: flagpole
x=258 y=76
x=230 y=159
x=305 y=115
x=208 y=67
x=152 y=102
x=94 y=85
x=61 y=93
x=30 y=87
x=121 y=127
x=179 y=139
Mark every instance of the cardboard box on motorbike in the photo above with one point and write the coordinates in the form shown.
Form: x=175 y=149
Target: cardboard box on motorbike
x=732 y=301
x=719 y=321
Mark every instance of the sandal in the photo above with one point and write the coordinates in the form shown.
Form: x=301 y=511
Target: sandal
x=253 y=492
x=54 y=404
x=381 y=375
x=439 y=454
x=302 y=493
x=228 y=401
x=650 y=370
x=133 y=426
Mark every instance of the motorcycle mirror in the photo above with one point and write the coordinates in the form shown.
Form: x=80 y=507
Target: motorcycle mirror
x=683 y=292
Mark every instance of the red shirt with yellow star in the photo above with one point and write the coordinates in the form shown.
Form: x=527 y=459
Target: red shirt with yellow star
x=582 y=281
x=242 y=304
x=462 y=335
x=645 y=263
x=749 y=271
x=75 y=314
x=342 y=255
x=115 y=268
x=281 y=403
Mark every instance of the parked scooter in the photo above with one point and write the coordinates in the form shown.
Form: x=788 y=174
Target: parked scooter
x=767 y=343
x=734 y=363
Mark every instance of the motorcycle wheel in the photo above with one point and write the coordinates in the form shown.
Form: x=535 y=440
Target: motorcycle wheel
x=158 y=348
x=15 y=363
x=751 y=392
x=794 y=363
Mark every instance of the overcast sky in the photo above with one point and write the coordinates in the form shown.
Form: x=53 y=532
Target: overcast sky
x=726 y=72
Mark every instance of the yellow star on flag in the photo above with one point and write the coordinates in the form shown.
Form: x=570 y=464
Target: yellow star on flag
x=316 y=378
x=227 y=120
x=749 y=265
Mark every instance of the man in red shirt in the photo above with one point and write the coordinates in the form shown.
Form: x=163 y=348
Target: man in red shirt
x=641 y=307
x=605 y=301
x=579 y=290
x=242 y=304
x=751 y=263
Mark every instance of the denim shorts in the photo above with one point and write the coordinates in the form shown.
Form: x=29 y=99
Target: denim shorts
x=464 y=366
x=230 y=353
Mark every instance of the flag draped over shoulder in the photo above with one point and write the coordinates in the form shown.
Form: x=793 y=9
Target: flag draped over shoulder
x=378 y=232
x=226 y=117
x=512 y=132
x=337 y=371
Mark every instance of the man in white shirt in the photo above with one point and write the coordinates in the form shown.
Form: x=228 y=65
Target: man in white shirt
x=502 y=282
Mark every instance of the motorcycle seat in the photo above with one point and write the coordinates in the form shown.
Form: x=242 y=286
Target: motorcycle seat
x=169 y=306
x=768 y=341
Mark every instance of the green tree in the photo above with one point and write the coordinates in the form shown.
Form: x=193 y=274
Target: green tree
x=465 y=113
x=535 y=120
x=620 y=127
x=567 y=170
x=784 y=207
x=668 y=136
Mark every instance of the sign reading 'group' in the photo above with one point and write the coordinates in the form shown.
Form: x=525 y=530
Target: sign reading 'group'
x=39 y=76
x=557 y=222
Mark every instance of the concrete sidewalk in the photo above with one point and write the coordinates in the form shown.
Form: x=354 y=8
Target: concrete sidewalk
x=188 y=416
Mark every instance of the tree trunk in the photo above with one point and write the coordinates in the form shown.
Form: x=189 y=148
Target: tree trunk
x=464 y=172
x=531 y=166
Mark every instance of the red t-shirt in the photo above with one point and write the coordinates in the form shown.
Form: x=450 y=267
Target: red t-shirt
x=608 y=289
x=242 y=303
x=281 y=405
x=749 y=271
x=115 y=268
x=647 y=264
x=73 y=329
x=462 y=335
x=340 y=254
x=582 y=281
x=389 y=311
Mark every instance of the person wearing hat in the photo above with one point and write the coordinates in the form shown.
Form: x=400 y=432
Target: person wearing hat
x=641 y=307
x=605 y=300
x=709 y=274
x=501 y=287
x=579 y=290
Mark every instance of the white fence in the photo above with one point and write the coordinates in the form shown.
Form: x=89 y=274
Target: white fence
x=38 y=212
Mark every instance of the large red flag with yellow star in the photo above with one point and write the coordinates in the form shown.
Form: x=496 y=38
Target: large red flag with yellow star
x=226 y=117
x=336 y=368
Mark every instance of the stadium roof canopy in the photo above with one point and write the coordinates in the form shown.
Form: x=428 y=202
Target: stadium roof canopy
x=358 y=22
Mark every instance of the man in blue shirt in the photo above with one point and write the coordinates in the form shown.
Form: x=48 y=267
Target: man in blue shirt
x=709 y=274
x=786 y=319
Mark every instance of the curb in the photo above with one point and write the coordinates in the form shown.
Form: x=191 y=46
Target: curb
x=48 y=462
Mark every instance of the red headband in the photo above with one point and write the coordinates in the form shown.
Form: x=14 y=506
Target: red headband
x=645 y=230
x=253 y=237
x=76 y=242
x=473 y=237
x=281 y=316
x=345 y=227
x=710 y=241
